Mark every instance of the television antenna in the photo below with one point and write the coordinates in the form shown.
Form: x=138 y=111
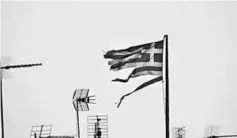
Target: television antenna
x=40 y=131
x=80 y=103
x=213 y=132
x=97 y=126
x=179 y=132
x=3 y=68
x=44 y=131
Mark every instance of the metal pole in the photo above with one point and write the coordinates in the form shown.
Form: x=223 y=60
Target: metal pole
x=2 y=120
x=167 y=119
x=41 y=129
x=78 y=128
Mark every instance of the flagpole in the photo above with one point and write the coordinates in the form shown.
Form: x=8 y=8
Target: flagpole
x=2 y=123
x=167 y=119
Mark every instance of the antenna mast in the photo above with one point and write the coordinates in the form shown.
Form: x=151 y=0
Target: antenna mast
x=80 y=103
x=1 y=93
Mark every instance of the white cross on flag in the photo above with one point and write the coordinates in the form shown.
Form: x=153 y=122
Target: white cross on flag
x=146 y=59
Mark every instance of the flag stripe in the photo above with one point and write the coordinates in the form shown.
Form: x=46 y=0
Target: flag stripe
x=140 y=87
x=119 y=54
x=145 y=58
x=148 y=83
x=113 y=56
x=128 y=52
x=131 y=49
x=116 y=61
x=148 y=70
x=159 y=50
x=137 y=64
x=138 y=57
x=157 y=73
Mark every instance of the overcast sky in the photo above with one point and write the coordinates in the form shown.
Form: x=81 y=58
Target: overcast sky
x=69 y=38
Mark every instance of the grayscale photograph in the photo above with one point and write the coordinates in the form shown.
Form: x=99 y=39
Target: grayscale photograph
x=118 y=69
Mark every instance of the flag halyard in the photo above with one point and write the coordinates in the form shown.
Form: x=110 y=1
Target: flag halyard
x=146 y=59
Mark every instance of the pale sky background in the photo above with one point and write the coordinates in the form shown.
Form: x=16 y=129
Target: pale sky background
x=69 y=39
